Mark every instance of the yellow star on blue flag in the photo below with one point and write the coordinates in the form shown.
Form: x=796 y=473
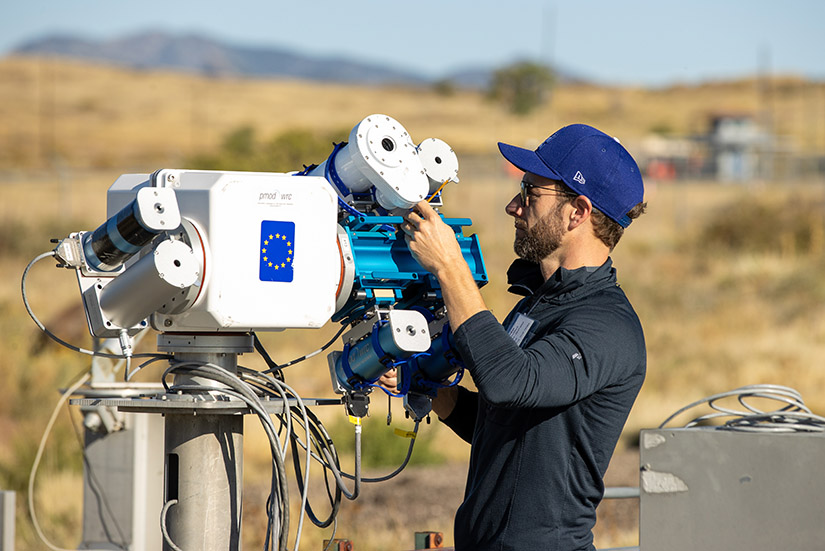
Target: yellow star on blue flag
x=276 y=252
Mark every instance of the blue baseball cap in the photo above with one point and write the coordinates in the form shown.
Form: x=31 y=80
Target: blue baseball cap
x=590 y=163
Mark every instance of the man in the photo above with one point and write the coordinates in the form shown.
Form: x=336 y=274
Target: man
x=557 y=380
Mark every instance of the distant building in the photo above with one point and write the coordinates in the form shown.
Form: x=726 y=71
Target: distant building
x=666 y=158
x=739 y=148
x=735 y=148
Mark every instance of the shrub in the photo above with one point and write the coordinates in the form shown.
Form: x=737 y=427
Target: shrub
x=792 y=225
x=285 y=152
x=522 y=87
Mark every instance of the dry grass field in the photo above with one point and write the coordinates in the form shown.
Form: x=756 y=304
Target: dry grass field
x=67 y=114
x=726 y=278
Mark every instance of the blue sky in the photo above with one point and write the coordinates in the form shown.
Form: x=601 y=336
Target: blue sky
x=649 y=42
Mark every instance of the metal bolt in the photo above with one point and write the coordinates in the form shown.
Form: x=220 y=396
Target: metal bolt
x=170 y=177
x=167 y=323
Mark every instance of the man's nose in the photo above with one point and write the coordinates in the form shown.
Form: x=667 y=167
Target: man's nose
x=514 y=207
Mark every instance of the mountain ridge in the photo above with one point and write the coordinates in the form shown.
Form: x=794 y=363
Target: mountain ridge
x=201 y=54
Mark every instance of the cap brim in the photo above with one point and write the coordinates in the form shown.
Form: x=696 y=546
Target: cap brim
x=527 y=161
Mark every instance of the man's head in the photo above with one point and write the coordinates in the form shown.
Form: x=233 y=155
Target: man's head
x=540 y=231
x=583 y=161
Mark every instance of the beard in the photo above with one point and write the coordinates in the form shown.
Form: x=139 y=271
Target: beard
x=542 y=239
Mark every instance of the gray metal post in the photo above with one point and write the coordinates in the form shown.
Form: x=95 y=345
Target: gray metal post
x=204 y=455
x=204 y=473
x=7 y=502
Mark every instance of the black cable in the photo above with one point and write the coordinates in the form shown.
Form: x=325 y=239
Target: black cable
x=57 y=339
x=273 y=367
x=318 y=438
x=335 y=502
x=396 y=471
x=322 y=440
x=326 y=455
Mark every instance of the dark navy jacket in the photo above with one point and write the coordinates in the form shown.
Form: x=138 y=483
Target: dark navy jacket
x=548 y=413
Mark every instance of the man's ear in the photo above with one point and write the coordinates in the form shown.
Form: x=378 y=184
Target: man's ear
x=580 y=212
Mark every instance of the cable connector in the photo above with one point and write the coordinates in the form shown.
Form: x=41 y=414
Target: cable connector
x=125 y=343
x=357 y=403
x=126 y=348
x=69 y=252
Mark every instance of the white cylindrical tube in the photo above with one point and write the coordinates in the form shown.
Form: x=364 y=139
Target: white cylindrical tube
x=380 y=154
x=148 y=284
x=348 y=173
x=440 y=162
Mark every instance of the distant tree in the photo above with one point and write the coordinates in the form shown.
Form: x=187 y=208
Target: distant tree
x=240 y=142
x=444 y=87
x=662 y=128
x=238 y=151
x=290 y=150
x=294 y=148
x=522 y=86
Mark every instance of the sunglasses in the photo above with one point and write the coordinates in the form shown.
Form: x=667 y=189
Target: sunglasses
x=527 y=186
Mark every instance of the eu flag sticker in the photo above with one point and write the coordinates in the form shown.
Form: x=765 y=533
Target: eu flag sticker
x=277 y=250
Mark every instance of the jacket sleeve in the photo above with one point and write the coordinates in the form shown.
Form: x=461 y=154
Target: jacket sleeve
x=462 y=420
x=592 y=349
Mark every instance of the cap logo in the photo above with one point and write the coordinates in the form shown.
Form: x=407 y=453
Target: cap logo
x=579 y=177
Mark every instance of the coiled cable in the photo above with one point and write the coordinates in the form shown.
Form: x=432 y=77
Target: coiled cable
x=792 y=415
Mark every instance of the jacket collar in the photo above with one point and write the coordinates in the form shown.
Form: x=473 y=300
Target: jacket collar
x=525 y=279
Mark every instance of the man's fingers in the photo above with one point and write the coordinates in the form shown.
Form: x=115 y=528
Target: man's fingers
x=424 y=210
x=413 y=218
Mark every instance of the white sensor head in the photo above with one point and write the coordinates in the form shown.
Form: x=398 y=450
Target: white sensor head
x=380 y=153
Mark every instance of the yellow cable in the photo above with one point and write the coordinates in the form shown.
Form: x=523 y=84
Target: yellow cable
x=447 y=181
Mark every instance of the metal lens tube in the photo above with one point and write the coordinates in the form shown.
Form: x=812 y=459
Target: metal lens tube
x=124 y=235
x=116 y=240
x=148 y=284
x=437 y=366
x=405 y=333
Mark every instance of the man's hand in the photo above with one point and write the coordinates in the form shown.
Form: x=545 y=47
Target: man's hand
x=389 y=380
x=445 y=400
x=434 y=246
x=432 y=242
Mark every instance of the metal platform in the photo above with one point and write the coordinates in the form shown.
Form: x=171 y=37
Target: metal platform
x=192 y=404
